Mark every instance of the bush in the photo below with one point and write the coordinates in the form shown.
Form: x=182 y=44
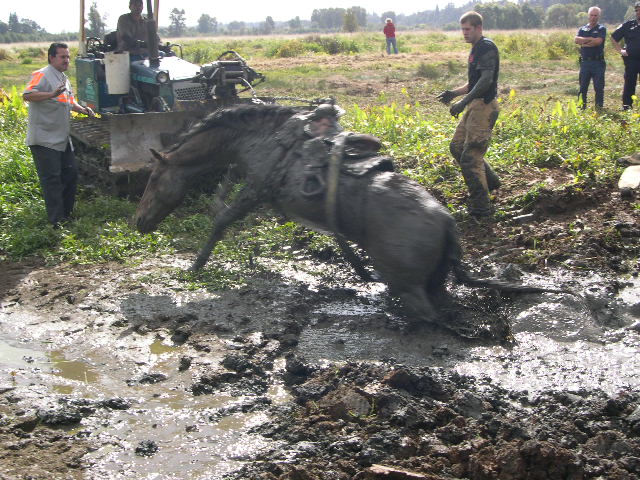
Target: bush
x=32 y=53
x=428 y=70
x=288 y=49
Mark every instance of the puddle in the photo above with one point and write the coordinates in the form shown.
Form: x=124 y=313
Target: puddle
x=559 y=344
x=159 y=347
x=72 y=369
x=19 y=357
x=190 y=444
x=194 y=441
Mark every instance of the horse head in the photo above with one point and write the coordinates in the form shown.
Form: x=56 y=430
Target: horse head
x=165 y=190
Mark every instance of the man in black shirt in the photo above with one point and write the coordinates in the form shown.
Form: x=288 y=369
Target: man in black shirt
x=592 y=65
x=629 y=31
x=471 y=138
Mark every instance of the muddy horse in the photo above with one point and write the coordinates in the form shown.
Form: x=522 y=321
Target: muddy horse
x=302 y=164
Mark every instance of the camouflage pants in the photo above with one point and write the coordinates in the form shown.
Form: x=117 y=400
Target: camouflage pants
x=468 y=146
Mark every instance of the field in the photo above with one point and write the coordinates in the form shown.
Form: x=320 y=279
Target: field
x=540 y=129
x=277 y=307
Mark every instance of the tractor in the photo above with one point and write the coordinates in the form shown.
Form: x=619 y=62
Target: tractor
x=146 y=103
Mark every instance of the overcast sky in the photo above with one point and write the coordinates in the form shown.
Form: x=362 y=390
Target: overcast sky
x=56 y=17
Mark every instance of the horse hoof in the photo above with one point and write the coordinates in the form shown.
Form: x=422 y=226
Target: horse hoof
x=196 y=267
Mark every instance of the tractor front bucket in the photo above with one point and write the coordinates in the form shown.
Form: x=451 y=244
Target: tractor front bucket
x=132 y=135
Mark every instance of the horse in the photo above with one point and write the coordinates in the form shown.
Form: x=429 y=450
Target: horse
x=303 y=165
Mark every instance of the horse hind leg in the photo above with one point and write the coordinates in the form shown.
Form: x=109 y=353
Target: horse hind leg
x=418 y=305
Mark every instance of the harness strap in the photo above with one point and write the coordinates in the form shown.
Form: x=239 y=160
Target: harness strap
x=333 y=178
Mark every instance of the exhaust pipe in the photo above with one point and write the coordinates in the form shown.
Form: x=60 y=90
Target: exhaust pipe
x=152 y=37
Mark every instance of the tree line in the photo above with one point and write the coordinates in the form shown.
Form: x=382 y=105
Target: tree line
x=497 y=15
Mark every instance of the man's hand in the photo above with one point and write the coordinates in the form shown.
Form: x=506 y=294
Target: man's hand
x=58 y=91
x=457 y=108
x=446 y=96
x=623 y=52
x=89 y=112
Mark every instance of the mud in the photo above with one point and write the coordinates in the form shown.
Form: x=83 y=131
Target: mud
x=120 y=371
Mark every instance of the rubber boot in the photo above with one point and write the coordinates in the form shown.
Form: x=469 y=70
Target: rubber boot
x=479 y=203
x=493 y=181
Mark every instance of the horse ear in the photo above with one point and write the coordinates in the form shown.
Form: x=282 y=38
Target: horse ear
x=158 y=156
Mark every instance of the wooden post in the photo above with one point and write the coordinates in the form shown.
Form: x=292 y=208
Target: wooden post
x=82 y=47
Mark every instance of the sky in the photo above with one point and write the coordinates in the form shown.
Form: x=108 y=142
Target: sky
x=63 y=16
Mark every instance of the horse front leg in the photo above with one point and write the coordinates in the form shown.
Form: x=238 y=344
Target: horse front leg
x=245 y=201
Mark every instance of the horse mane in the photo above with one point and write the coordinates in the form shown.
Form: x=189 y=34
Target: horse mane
x=238 y=117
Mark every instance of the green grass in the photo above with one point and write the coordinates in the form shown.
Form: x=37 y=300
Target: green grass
x=539 y=128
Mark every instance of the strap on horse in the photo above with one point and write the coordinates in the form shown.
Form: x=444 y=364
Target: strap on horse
x=333 y=179
x=331 y=205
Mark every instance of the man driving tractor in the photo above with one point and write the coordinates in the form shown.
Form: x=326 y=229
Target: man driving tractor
x=132 y=32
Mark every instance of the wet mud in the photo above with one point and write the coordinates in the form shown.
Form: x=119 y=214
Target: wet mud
x=123 y=372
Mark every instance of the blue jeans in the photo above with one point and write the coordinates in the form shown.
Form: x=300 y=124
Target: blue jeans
x=391 y=41
x=592 y=69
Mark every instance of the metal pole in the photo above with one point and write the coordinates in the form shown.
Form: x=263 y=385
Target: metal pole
x=82 y=47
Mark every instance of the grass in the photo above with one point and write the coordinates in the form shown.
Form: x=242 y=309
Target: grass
x=540 y=128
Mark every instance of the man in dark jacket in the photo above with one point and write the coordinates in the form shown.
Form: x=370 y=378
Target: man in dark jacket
x=629 y=31
x=592 y=65
x=471 y=138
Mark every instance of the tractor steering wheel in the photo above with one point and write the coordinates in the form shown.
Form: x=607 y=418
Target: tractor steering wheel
x=94 y=45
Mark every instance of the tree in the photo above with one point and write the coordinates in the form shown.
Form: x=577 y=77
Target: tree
x=236 y=27
x=328 y=18
x=361 y=16
x=295 y=23
x=29 y=26
x=14 y=23
x=531 y=16
x=270 y=25
x=350 y=22
x=97 y=23
x=177 y=23
x=390 y=14
x=4 y=27
x=207 y=24
x=613 y=11
x=510 y=16
x=563 y=15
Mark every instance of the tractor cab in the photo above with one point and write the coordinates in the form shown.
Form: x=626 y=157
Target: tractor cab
x=145 y=103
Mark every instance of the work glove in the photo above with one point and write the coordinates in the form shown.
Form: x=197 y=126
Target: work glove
x=457 y=108
x=446 y=96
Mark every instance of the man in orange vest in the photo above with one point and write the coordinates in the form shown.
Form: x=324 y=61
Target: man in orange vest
x=51 y=101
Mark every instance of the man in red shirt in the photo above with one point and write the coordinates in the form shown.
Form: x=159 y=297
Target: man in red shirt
x=390 y=32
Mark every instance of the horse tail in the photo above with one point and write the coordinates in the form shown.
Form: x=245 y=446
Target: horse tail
x=463 y=276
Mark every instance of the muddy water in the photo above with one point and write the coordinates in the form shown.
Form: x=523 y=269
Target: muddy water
x=561 y=342
x=102 y=346
x=41 y=365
